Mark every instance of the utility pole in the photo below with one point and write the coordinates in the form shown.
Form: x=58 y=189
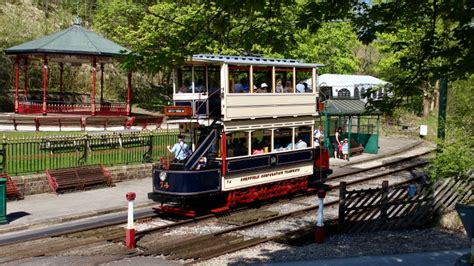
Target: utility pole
x=443 y=99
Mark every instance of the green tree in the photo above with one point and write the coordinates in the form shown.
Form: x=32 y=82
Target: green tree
x=333 y=45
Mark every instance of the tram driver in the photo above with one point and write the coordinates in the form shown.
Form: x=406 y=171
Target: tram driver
x=179 y=149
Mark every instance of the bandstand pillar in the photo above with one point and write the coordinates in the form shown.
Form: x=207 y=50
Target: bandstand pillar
x=17 y=81
x=101 y=83
x=61 y=70
x=25 y=73
x=129 y=93
x=45 y=83
x=94 y=76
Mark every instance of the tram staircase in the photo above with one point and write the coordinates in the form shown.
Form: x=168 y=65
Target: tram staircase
x=201 y=150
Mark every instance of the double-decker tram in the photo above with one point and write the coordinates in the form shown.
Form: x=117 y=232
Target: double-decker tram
x=248 y=125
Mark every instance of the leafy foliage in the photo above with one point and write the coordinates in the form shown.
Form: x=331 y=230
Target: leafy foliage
x=457 y=151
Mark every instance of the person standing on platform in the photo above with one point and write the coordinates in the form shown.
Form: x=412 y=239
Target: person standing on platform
x=338 y=142
x=318 y=136
x=345 y=149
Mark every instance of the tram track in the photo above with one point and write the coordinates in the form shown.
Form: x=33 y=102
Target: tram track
x=237 y=243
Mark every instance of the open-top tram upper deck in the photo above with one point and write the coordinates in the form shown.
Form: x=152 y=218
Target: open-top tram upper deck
x=244 y=87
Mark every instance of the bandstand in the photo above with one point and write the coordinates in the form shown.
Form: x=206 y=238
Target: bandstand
x=73 y=46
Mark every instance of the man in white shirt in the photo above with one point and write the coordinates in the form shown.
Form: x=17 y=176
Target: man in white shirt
x=318 y=136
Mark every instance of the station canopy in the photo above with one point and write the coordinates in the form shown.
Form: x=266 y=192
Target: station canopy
x=346 y=107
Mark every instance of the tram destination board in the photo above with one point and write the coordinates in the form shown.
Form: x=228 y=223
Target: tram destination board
x=178 y=111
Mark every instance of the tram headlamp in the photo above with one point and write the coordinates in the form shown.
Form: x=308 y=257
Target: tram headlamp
x=163 y=176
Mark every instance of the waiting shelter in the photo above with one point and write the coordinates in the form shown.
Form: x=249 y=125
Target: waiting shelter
x=73 y=46
x=359 y=126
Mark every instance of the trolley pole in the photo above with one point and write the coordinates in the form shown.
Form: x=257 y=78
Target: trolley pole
x=130 y=231
x=319 y=234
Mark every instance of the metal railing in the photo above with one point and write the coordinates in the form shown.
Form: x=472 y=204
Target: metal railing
x=26 y=155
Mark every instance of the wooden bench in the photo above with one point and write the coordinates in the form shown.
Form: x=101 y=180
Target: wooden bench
x=78 y=178
x=59 y=121
x=146 y=120
x=356 y=148
x=23 y=120
x=107 y=121
x=11 y=188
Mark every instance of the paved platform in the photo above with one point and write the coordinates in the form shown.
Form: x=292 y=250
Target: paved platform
x=47 y=209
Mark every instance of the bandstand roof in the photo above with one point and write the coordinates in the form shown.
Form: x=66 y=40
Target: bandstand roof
x=74 y=40
x=346 y=107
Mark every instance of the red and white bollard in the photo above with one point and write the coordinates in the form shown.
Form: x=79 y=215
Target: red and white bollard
x=319 y=234
x=130 y=231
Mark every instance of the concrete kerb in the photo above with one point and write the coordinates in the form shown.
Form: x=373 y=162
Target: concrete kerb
x=69 y=218
x=398 y=151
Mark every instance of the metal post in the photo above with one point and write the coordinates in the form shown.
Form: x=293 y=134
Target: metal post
x=3 y=201
x=443 y=98
x=327 y=131
x=130 y=231
x=349 y=138
x=319 y=233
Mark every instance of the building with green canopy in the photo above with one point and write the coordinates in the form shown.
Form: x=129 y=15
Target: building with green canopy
x=359 y=124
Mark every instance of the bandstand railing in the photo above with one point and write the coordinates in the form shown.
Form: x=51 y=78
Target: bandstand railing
x=105 y=108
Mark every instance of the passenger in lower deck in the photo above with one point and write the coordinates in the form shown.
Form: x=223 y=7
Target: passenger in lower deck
x=300 y=144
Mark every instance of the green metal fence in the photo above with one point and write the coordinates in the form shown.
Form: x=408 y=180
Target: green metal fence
x=36 y=154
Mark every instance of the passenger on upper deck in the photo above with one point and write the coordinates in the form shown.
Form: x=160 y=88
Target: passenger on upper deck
x=241 y=86
x=263 y=88
x=279 y=88
x=301 y=87
x=288 y=87
x=185 y=87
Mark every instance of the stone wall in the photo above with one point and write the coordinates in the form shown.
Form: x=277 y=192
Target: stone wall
x=38 y=183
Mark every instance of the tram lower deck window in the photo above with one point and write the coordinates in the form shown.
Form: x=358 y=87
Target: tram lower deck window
x=237 y=144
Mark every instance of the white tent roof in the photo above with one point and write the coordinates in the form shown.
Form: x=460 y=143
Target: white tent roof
x=336 y=80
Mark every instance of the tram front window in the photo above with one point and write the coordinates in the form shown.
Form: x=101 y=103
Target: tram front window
x=261 y=141
x=184 y=79
x=237 y=144
x=213 y=78
x=200 y=79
